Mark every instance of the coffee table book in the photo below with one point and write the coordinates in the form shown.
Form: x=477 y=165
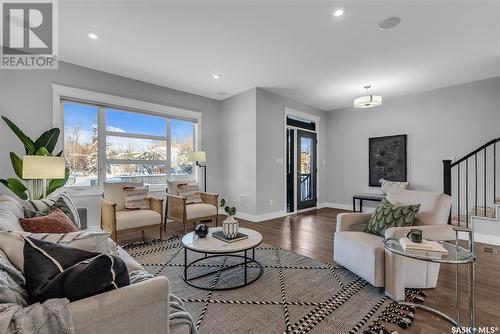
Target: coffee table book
x=220 y=235
x=426 y=246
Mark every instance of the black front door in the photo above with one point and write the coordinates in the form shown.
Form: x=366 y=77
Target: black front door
x=306 y=169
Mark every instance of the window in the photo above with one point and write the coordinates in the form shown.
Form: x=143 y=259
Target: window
x=104 y=143
x=80 y=143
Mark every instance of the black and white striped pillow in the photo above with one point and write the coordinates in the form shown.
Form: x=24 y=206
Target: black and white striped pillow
x=56 y=271
x=34 y=208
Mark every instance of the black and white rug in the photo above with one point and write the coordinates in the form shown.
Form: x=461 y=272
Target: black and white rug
x=295 y=294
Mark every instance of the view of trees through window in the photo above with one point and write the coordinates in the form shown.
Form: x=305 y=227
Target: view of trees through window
x=135 y=146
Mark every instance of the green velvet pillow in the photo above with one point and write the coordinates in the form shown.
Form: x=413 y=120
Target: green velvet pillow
x=388 y=215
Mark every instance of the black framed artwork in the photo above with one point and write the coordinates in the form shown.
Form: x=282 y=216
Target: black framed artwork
x=387 y=159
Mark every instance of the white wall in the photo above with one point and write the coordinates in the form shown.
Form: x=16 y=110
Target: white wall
x=26 y=98
x=238 y=146
x=270 y=147
x=440 y=123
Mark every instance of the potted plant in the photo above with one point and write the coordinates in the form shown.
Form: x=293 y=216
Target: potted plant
x=230 y=226
x=44 y=145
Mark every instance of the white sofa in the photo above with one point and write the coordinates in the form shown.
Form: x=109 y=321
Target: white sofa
x=137 y=308
x=364 y=254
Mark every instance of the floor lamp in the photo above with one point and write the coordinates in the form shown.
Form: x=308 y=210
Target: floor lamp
x=197 y=157
x=38 y=169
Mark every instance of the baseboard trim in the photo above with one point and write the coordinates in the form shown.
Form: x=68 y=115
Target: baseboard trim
x=482 y=238
x=335 y=206
x=259 y=218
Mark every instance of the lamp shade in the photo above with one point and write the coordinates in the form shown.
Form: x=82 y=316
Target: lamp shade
x=38 y=167
x=199 y=156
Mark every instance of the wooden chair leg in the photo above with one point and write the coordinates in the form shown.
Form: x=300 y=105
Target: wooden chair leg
x=114 y=236
x=161 y=231
x=185 y=228
x=142 y=235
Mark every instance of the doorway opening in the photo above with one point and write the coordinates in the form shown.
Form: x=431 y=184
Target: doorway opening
x=301 y=164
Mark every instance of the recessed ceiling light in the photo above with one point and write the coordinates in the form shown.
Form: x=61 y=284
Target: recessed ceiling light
x=92 y=35
x=216 y=76
x=389 y=23
x=338 y=12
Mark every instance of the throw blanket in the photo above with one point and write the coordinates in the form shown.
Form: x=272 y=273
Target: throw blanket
x=178 y=313
x=53 y=316
x=12 y=284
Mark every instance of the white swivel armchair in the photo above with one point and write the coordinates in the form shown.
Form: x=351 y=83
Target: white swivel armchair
x=364 y=253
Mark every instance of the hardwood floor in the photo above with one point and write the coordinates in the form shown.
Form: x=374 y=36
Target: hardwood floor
x=311 y=234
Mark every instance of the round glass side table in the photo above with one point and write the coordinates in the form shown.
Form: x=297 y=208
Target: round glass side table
x=457 y=256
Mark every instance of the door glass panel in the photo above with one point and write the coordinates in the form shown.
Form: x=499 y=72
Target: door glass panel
x=306 y=159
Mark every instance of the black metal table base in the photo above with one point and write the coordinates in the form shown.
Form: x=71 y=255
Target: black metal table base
x=246 y=261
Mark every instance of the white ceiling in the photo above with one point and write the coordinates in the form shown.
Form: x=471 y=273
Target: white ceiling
x=293 y=48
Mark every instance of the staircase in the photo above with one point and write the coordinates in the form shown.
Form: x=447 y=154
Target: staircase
x=472 y=182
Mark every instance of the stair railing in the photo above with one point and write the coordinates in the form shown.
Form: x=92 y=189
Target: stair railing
x=449 y=166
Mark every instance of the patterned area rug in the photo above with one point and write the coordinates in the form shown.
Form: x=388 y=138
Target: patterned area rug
x=295 y=294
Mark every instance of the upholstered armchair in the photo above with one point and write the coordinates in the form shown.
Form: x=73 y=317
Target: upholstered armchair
x=364 y=253
x=115 y=219
x=179 y=211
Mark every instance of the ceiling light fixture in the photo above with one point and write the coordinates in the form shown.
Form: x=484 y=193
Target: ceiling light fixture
x=92 y=35
x=216 y=76
x=368 y=100
x=389 y=23
x=338 y=12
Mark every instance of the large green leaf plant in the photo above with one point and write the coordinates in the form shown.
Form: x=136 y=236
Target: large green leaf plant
x=44 y=145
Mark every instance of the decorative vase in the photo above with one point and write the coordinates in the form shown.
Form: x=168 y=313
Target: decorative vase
x=230 y=227
x=201 y=230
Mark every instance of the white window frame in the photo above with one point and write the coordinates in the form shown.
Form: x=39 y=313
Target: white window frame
x=61 y=93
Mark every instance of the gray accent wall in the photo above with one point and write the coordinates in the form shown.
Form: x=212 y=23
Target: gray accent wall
x=239 y=153
x=447 y=122
x=26 y=98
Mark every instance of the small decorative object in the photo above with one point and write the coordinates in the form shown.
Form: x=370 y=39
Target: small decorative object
x=230 y=226
x=387 y=159
x=201 y=230
x=415 y=235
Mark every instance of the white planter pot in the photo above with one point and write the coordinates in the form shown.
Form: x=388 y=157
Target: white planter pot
x=230 y=227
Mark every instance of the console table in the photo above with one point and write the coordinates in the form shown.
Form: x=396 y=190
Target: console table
x=365 y=197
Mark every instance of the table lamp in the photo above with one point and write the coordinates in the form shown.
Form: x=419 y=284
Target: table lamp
x=200 y=156
x=41 y=168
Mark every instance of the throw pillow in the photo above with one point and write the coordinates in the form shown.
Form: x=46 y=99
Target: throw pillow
x=54 y=222
x=137 y=198
x=191 y=191
x=12 y=243
x=63 y=202
x=390 y=186
x=9 y=221
x=388 y=215
x=56 y=271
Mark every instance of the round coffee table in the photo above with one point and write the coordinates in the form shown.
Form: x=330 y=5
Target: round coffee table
x=212 y=248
